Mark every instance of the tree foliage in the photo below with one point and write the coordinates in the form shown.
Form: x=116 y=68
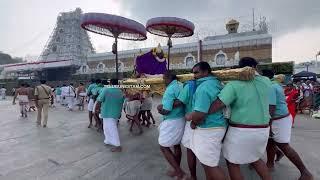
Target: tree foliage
x=7 y=59
x=279 y=68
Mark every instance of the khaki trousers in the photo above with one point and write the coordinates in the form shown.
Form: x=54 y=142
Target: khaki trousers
x=43 y=110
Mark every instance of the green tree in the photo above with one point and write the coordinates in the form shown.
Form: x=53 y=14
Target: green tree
x=7 y=59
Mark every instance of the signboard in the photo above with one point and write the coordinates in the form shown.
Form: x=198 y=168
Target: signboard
x=30 y=77
x=25 y=74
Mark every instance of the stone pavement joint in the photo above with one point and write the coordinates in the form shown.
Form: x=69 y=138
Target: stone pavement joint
x=54 y=162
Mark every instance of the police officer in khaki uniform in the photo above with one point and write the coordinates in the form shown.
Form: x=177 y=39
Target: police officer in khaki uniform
x=42 y=94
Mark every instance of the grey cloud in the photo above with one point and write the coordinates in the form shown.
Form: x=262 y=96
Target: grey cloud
x=284 y=16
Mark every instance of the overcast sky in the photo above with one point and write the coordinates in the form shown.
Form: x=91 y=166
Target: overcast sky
x=25 y=25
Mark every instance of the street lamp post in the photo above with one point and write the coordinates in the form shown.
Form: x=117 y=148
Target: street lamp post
x=307 y=64
x=317 y=59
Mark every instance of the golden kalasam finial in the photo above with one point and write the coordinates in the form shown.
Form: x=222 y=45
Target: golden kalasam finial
x=232 y=26
x=159 y=50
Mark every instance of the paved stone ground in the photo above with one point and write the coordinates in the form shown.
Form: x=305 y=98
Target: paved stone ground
x=67 y=149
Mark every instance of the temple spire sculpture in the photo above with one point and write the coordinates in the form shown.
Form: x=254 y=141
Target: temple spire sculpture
x=68 y=40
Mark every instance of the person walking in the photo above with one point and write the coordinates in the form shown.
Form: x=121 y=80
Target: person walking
x=42 y=96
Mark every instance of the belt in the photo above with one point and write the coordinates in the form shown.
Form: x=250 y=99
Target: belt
x=249 y=126
x=280 y=117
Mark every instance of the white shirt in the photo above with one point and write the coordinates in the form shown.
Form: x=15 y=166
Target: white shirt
x=70 y=91
x=64 y=91
x=3 y=90
x=311 y=86
x=305 y=86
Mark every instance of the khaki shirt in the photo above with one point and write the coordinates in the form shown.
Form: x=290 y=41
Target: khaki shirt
x=43 y=92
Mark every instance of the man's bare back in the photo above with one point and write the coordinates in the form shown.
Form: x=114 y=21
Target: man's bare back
x=23 y=91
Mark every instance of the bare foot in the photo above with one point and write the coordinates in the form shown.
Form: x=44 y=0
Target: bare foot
x=171 y=173
x=306 y=176
x=139 y=133
x=183 y=176
x=116 y=149
x=100 y=129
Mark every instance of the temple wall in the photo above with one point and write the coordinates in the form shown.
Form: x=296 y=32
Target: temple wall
x=262 y=53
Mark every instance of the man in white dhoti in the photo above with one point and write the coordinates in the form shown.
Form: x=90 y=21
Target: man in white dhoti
x=186 y=98
x=31 y=105
x=58 y=94
x=91 y=101
x=110 y=103
x=146 y=108
x=22 y=94
x=81 y=95
x=64 y=93
x=71 y=95
x=248 y=132
x=172 y=127
x=3 y=92
x=281 y=123
x=132 y=107
x=95 y=93
x=208 y=130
